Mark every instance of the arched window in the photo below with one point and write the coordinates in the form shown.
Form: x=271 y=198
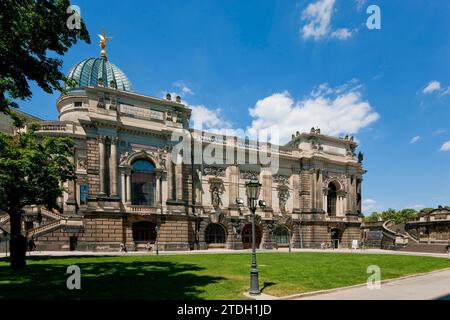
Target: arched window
x=215 y=233
x=282 y=236
x=331 y=199
x=144 y=231
x=143 y=183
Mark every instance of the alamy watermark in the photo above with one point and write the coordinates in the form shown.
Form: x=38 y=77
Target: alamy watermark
x=374 y=20
x=74 y=20
x=374 y=280
x=74 y=280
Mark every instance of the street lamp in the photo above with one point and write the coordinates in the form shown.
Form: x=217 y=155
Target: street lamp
x=252 y=189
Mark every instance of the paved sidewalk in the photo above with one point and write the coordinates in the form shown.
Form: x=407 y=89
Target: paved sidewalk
x=432 y=286
x=224 y=251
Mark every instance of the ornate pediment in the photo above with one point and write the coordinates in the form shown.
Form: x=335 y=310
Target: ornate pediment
x=157 y=156
x=335 y=177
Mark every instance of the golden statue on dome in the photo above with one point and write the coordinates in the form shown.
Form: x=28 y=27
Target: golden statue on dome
x=103 y=40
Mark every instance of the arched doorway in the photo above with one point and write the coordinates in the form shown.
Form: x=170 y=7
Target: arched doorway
x=144 y=232
x=282 y=236
x=331 y=199
x=143 y=183
x=215 y=235
x=335 y=237
x=247 y=236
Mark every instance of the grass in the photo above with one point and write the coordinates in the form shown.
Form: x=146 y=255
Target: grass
x=200 y=276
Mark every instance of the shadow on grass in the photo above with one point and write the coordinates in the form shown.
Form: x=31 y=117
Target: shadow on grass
x=156 y=280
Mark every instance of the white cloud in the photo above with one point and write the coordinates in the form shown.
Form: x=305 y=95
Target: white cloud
x=446 y=146
x=209 y=120
x=417 y=206
x=334 y=110
x=342 y=34
x=431 y=87
x=446 y=91
x=415 y=139
x=369 y=206
x=185 y=90
x=439 y=131
x=317 y=17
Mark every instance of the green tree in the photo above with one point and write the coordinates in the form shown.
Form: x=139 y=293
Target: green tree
x=31 y=172
x=32 y=34
x=405 y=215
x=374 y=217
x=389 y=214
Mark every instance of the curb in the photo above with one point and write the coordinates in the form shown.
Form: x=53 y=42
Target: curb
x=315 y=293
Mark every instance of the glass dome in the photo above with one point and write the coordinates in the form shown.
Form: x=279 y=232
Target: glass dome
x=98 y=72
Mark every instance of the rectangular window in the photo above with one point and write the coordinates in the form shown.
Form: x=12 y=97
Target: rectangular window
x=78 y=104
x=83 y=194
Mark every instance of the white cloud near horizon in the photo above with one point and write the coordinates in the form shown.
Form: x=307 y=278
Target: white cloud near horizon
x=445 y=146
x=369 y=206
x=335 y=111
x=339 y=110
x=211 y=120
x=415 y=139
x=317 y=17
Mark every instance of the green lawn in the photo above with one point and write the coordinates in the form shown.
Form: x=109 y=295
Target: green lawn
x=201 y=276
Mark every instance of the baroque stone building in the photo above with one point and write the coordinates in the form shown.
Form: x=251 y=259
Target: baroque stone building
x=129 y=190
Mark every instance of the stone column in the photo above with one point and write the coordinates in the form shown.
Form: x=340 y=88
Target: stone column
x=296 y=191
x=128 y=184
x=348 y=202
x=123 y=186
x=158 y=189
x=319 y=190
x=267 y=186
x=179 y=180
x=113 y=168
x=164 y=189
x=312 y=173
x=234 y=184
x=101 y=172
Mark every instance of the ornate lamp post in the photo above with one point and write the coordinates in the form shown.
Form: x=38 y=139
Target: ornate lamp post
x=252 y=189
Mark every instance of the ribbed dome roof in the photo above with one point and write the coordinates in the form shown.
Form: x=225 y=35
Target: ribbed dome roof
x=94 y=71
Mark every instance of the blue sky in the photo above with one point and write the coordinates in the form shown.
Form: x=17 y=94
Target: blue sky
x=253 y=64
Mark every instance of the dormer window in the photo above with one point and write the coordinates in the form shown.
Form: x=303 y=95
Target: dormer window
x=100 y=82
x=113 y=85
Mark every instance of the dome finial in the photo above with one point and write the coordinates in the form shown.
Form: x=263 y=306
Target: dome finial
x=103 y=40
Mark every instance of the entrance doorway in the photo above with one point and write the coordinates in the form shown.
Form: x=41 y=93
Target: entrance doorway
x=247 y=236
x=335 y=238
x=73 y=243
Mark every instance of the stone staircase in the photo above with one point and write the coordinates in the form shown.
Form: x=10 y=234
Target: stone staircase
x=57 y=221
x=4 y=218
x=52 y=226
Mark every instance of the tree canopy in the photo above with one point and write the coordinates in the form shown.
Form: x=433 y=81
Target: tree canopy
x=32 y=171
x=399 y=216
x=33 y=33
